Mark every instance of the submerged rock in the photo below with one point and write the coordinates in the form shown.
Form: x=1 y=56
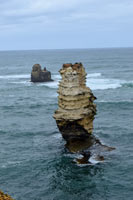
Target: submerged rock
x=39 y=75
x=84 y=159
x=76 y=111
x=4 y=196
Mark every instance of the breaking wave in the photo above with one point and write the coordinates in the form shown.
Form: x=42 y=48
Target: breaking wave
x=15 y=76
x=93 y=75
x=94 y=80
x=128 y=84
x=103 y=83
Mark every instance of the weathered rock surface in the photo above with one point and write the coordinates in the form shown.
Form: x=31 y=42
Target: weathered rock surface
x=39 y=75
x=4 y=196
x=76 y=111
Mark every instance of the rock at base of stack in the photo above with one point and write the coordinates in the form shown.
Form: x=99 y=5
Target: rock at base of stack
x=76 y=111
x=4 y=196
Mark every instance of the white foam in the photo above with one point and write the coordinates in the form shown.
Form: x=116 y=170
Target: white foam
x=53 y=84
x=27 y=83
x=57 y=136
x=56 y=77
x=93 y=161
x=103 y=83
x=94 y=80
x=11 y=163
x=15 y=76
x=93 y=75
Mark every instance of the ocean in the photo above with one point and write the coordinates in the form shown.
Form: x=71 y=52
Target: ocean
x=34 y=163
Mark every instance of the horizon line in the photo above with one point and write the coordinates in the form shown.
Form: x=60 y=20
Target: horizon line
x=89 y=48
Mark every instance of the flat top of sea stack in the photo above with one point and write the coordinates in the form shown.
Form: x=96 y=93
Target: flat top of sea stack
x=73 y=66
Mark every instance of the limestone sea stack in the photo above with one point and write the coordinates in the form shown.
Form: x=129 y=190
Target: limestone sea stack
x=76 y=110
x=39 y=75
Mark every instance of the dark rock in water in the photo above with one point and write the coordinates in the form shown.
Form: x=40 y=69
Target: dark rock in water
x=83 y=145
x=39 y=75
x=84 y=159
x=80 y=145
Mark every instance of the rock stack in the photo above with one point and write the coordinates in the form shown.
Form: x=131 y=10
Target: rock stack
x=39 y=75
x=76 y=111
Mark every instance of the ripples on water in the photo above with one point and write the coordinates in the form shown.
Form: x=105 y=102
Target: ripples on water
x=34 y=163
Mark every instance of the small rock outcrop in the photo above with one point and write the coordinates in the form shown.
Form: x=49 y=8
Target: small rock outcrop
x=4 y=196
x=39 y=75
x=76 y=111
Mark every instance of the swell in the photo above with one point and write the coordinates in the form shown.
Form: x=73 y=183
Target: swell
x=128 y=85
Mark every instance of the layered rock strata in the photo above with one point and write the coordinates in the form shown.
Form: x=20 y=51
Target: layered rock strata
x=39 y=75
x=76 y=111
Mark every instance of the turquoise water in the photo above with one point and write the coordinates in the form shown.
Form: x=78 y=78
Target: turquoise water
x=34 y=163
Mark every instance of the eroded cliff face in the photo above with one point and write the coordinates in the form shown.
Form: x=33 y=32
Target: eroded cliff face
x=76 y=111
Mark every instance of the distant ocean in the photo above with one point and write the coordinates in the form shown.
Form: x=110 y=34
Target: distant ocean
x=34 y=163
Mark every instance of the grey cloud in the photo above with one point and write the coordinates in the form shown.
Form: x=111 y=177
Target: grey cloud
x=14 y=11
x=62 y=18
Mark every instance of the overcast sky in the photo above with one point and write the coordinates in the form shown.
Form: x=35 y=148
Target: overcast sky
x=60 y=24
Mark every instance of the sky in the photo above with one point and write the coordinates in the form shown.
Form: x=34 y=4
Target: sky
x=65 y=24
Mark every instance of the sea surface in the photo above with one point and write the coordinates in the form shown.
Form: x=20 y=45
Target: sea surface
x=34 y=164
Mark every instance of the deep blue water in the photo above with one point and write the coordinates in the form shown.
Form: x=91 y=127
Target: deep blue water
x=34 y=163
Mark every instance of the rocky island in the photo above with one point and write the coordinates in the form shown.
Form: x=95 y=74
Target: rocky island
x=39 y=75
